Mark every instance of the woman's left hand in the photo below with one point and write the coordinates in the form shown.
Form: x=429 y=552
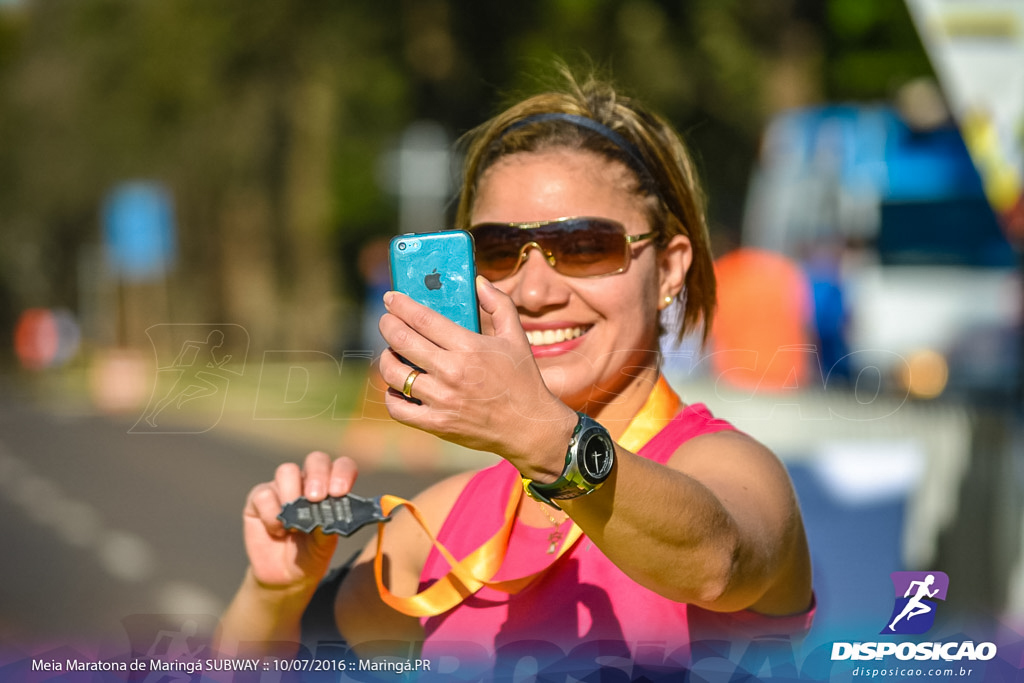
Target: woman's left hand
x=482 y=391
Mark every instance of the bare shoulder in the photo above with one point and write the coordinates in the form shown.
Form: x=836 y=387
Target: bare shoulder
x=727 y=452
x=437 y=500
x=744 y=474
x=406 y=543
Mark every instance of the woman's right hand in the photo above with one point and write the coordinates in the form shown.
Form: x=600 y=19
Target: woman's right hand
x=283 y=559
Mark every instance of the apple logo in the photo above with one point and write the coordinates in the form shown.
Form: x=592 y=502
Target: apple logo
x=433 y=280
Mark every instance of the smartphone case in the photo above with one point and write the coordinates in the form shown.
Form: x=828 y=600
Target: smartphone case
x=437 y=270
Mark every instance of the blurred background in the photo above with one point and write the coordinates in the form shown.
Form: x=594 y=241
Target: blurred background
x=195 y=200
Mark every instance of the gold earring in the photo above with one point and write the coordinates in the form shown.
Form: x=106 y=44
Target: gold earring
x=665 y=303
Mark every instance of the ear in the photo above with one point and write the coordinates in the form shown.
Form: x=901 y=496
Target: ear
x=673 y=264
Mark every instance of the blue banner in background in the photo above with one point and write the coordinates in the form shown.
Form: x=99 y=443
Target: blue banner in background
x=139 y=230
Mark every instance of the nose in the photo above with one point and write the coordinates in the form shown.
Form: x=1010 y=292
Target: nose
x=536 y=285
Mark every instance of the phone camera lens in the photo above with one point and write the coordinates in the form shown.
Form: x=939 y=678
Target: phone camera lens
x=401 y=246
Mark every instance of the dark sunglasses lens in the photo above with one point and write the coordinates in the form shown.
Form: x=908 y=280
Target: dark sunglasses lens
x=497 y=249
x=589 y=247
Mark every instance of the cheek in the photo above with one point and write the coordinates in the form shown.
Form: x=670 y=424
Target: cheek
x=630 y=305
x=502 y=286
x=643 y=315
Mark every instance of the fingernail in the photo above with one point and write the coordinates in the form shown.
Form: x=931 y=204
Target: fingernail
x=314 y=490
x=388 y=296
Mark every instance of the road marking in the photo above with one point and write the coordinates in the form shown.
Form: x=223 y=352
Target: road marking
x=126 y=556
x=182 y=597
x=123 y=555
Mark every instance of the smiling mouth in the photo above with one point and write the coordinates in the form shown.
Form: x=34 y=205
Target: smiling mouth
x=549 y=337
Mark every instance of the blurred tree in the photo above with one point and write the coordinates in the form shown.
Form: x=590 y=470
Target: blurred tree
x=715 y=68
x=267 y=121
x=235 y=105
x=873 y=49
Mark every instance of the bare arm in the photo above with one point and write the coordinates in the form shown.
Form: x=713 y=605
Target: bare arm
x=285 y=567
x=262 y=620
x=718 y=527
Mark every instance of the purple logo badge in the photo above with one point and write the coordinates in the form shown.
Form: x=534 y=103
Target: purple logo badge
x=914 y=608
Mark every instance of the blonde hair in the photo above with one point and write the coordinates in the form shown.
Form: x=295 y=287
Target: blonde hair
x=642 y=141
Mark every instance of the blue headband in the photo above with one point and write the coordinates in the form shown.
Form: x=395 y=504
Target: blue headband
x=635 y=158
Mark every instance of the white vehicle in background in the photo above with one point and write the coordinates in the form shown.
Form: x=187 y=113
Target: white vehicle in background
x=903 y=250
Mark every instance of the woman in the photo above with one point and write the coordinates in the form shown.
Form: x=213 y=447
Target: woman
x=588 y=223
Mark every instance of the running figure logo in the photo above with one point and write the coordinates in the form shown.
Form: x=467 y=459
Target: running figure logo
x=914 y=608
x=198 y=373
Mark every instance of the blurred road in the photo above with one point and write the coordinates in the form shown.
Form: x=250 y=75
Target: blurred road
x=99 y=524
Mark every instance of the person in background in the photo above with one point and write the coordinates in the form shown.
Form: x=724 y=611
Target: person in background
x=762 y=338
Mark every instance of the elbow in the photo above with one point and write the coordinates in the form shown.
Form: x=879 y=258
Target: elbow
x=722 y=588
x=720 y=580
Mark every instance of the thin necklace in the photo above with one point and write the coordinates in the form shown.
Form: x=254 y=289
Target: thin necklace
x=556 y=534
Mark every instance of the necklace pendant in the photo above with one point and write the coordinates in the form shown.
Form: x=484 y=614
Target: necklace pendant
x=553 y=539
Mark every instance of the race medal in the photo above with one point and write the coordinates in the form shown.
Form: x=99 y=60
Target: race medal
x=343 y=515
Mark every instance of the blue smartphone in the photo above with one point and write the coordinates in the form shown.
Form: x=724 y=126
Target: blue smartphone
x=437 y=270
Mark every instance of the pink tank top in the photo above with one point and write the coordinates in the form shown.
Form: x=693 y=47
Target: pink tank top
x=583 y=609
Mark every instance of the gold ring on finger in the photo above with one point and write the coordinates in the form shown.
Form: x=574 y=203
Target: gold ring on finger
x=407 y=387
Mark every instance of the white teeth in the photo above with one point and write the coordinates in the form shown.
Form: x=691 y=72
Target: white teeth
x=546 y=337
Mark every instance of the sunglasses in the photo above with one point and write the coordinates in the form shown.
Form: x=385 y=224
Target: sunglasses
x=577 y=247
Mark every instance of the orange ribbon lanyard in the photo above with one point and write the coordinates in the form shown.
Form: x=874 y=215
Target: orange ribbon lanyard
x=476 y=570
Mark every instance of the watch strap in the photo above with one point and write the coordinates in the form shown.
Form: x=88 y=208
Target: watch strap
x=570 y=483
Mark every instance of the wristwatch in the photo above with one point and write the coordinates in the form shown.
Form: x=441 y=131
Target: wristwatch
x=588 y=462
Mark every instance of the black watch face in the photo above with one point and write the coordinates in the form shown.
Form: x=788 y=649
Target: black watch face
x=596 y=456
